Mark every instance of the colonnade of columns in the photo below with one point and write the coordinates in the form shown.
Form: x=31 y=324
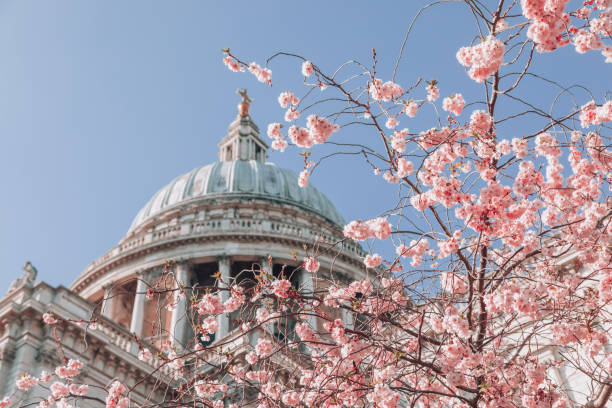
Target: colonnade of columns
x=179 y=321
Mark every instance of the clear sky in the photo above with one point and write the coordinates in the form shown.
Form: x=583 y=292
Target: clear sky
x=102 y=103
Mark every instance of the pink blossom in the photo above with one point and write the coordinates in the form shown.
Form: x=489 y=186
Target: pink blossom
x=287 y=98
x=291 y=114
x=519 y=146
x=303 y=178
x=59 y=390
x=452 y=282
x=262 y=314
x=205 y=389
x=145 y=355
x=528 y=180
x=503 y=147
x=484 y=58
x=481 y=122
x=421 y=201
x=210 y=325
x=404 y=167
x=274 y=130
x=320 y=128
x=390 y=177
x=591 y=114
x=262 y=74
x=45 y=376
x=279 y=144
x=411 y=109
x=72 y=369
x=25 y=382
x=382 y=396
x=232 y=64
x=607 y=53
x=263 y=347
x=586 y=40
x=547 y=29
x=123 y=403
x=311 y=264
x=210 y=304
x=5 y=402
x=305 y=332
x=372 y=261
x=448 y=247
x=434 y=137
x=385 y=92
x=603 y=24
x=300 y=137
x=398 y=140
x=454 y=104
x=235 y=300
x=280 y=287
x=502 y=24
x=272 y=390
x=391 y=123
x=376 y=228
x=432 y=92
x=76 y=389
x=307 y=68
x=547 y=145
x=291 y=399
x=261 y=376
x=175 y=362
x=251 y=357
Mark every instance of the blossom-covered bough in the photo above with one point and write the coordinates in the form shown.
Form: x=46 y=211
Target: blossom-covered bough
x=492 y=285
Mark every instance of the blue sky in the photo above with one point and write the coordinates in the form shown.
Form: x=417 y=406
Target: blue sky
x=102 y=103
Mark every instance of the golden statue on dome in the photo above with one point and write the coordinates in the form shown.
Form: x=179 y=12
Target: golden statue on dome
x=244 y=105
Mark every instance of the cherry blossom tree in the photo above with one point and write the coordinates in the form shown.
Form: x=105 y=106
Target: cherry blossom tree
x=500 y=273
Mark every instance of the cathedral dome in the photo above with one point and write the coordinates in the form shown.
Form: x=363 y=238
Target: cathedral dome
x=241 y=207
x=238 y=178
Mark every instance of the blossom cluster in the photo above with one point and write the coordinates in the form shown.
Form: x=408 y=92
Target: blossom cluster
x=360 y=231
x=550 y=25
x=318 y=131
x=262 y=74
x=385 y=92
x=116 y=396
x=454 y=104
x=484 y=59
x=591 y=114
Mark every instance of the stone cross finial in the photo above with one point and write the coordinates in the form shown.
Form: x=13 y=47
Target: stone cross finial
x=243 y=106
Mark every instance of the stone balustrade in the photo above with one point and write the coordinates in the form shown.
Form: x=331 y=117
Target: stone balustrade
x=225 y=226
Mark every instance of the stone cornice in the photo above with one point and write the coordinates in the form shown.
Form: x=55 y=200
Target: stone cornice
x=113 y=262
x=234 y=220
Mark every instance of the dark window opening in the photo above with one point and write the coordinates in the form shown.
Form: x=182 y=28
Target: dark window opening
x=203 y=274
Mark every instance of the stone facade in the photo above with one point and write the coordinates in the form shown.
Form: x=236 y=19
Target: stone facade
x=27 y=345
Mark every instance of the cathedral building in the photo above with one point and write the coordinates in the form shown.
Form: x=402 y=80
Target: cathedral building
x=216 y=220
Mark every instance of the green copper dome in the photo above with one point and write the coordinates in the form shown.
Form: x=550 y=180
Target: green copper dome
x=242 y=172
x=239 y=178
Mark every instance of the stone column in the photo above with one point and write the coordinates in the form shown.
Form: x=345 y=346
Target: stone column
x=307 y=287
x=265 y=265
x=179 y=322
x=225 y=268
x=269 y=327
x=108 y=303
x=138 y=311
